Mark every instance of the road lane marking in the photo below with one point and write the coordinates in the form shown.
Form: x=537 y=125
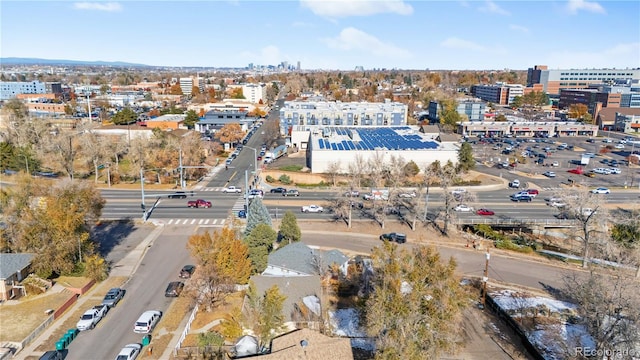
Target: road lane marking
x=200 y=222
x=222 y=221
x=192 y=221
x=170 y=221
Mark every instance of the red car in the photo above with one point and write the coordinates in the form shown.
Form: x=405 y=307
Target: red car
x=578 y=171
x=533 y=192
x=199 y=203
x=485 y=212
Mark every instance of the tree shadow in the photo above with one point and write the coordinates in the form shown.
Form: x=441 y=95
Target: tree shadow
x=109 y=234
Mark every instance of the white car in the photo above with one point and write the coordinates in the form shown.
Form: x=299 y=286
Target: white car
x=602 y=171
x=312 y=209
x=614 y=171
x=555 y=164
x=407 y=195
x=129 y=352
x=601 y=190
x=557 y=204
x=549 y=174
x=619 y=146
x=232 y=189
x=458 y=192
x=463 y=208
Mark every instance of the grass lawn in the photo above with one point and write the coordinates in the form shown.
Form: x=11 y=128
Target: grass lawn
x=72 y=281
x=18 y=321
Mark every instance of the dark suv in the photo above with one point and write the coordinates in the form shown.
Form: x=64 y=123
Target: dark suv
x=278 y=190
x=187 y=271
x=178 y=195
x=174 y=289
x=397 y=237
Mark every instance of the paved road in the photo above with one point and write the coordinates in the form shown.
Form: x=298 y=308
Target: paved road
x=145 y=291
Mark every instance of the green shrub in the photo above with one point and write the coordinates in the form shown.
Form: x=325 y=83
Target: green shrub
x=291 y=168
x=507 y=244
x=270 y=179
x=285 y=179
x=212 y=338
x=320 y=185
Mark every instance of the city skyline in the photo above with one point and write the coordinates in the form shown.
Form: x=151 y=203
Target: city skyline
x=461 y=35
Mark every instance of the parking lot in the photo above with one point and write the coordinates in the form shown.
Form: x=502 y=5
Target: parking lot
x=524 y=159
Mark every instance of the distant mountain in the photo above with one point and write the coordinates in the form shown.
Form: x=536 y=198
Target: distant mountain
x=35 y=61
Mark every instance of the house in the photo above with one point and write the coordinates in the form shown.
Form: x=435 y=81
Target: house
x=309 y=345
x=298 y=290
x=298 y=259
x=13 y=269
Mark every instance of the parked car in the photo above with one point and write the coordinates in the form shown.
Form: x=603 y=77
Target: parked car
x=242 y=214
x=113 y=296
x=615 y=171
x=514 y=184
x=92 y=317
x=147 y=321
x=187 y=271
x=463 y=208
x=278 y=190
x=200 y=203
x=395 y=237
x=549 y=174
x=590 y=174
x=577 y=171
x=601 y=190
x=485 y=212
x=291 y=192
x=178 y=195
x=129 y=352
x=174 y=289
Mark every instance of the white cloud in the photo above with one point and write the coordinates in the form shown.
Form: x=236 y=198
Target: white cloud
x=457 y=43
x=464 y=3
x=100 y=6
x=576 y=5
x=344 y=8
x=619 y=56
x=519 y=28
x=491 y=7
x=351 y=39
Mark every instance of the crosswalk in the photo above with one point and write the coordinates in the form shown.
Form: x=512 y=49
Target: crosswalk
x=198 y=222
x=217 y=189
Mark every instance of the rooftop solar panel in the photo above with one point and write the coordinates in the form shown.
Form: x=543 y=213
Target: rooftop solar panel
x=321 y=144
x=340 y=146
x=333 y=146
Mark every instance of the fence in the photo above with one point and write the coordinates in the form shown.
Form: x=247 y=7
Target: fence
x=36 y=331
x=186 y=329
x=516 y=222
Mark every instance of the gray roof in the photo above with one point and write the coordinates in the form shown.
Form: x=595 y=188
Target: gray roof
x=11 y=263
x=294 y=288
x=301 y=258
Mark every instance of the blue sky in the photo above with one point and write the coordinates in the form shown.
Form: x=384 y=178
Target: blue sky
x=328 y=34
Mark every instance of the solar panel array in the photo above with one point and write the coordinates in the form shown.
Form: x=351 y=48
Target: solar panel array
x=372 y=139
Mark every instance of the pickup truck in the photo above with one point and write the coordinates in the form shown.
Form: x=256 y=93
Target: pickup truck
x=199 y=203
x=232 y=189
x=91 y=317
x=312 y=209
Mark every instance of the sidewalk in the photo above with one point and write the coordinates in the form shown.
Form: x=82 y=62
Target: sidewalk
x=125 y=267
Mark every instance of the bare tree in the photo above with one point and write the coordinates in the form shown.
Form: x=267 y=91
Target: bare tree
x=586 y=209
x=608 y=307
x=445 y=176
x=357 y=170
x=333 y=171
x=94 y=150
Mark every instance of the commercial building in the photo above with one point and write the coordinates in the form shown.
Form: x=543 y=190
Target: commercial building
x=526 y=128
x=500 y=93
x=341 y=146
x=618 y=119
x=10 y=89
x=299 y=118
x=473 y=109
x=187 y=84
x=214 y=120
x=554 y=80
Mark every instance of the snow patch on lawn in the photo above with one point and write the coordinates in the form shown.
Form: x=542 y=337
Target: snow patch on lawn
x=346 y=322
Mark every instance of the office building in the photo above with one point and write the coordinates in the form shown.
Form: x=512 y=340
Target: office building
x=10 y=89
x=255 y=93
x=554 y=80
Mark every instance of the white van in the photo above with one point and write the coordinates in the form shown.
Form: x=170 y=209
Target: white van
x=147 y=321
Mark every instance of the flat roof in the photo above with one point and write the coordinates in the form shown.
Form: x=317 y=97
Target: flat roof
x=367 y=138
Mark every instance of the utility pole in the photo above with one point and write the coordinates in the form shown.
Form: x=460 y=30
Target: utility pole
x=181 y=175
x=485 y=278
x=246 y=192
x=144 y=210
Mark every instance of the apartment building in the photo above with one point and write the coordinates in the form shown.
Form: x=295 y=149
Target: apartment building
x=255 y=93
x=187 y=84
x=10 y=89
x=555 y=79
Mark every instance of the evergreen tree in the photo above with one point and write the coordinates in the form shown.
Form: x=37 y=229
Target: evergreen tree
x=289 y=230
x=260 y=242
x=449 y=116
x=466 y=161
x=191 y=119
x=125 y=116
x=257 y=214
